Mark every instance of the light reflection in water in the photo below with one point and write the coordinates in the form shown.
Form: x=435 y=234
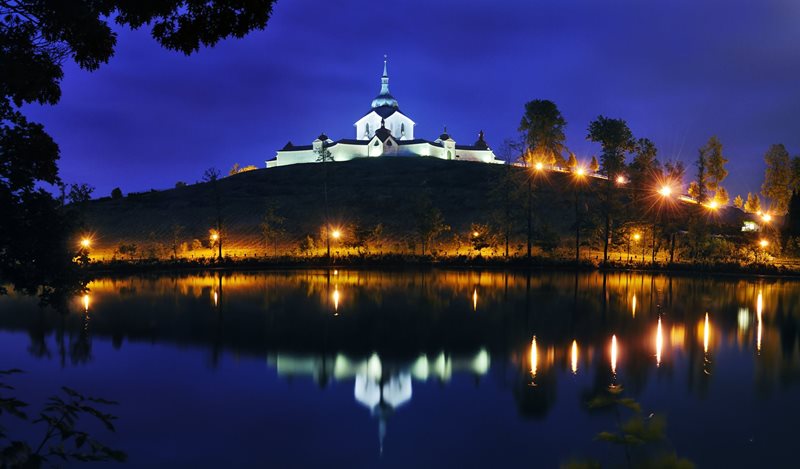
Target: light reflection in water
x=633 y=305
x=614 y=354
x=336 y=297
x=216 y=298
x=475 y=299
x=574 y=357
x=85 y=300
x=705 y=335
x=659 y=343
x=759 y=307
x=534 y=357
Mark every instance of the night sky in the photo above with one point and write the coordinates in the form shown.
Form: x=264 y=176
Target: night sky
x=678 y=71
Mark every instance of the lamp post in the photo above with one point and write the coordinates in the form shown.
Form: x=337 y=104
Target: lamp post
x=579 y=175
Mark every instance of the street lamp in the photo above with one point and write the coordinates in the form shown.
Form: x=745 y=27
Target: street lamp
x=620 y=180
x=579 y=173
x=336 y=234
x=86 y=243
x=475 y=234
x=539 y=166
x=665 y=191
x=766 y=217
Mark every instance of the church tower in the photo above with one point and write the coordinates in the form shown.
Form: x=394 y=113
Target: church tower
x=385 y=112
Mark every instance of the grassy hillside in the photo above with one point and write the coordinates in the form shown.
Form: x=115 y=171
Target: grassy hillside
x=362 y=192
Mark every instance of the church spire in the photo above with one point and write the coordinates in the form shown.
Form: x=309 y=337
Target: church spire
x=384 y=98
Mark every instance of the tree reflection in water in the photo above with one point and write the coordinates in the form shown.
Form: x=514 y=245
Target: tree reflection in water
x=384 y=331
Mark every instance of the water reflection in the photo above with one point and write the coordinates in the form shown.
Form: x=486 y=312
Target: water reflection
x=540 y=334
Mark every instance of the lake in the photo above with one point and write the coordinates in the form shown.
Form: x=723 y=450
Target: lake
x=455 y=368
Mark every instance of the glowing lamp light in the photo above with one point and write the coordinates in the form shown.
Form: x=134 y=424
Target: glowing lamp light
x=766 y=217
x=713 y=205
x=539 y=166
x=665 y=191
x=637 y=236
x=336 y=234
x=85 y=243
x=580 y=172
x=620 y=179
x=763 y=243
x=475 y=234
x=214 y=236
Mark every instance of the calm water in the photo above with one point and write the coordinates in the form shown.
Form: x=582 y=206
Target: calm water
x=416 y=369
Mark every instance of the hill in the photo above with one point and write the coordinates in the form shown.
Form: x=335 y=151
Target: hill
x=361 y=193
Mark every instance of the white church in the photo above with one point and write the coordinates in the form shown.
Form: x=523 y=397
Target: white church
x=384 y=131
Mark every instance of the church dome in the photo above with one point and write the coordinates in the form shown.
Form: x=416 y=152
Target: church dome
x=384 y=100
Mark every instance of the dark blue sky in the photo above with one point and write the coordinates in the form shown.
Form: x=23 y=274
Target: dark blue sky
x=677 y=71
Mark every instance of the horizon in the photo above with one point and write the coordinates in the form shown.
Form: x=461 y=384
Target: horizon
x=255 y=94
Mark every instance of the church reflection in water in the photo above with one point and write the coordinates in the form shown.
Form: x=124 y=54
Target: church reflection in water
x=381 y=386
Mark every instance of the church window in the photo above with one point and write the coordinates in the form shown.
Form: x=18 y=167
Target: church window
x=402 y=129
x=449 y=155
x=376 y=143
x=388 y=143
x=367 y=131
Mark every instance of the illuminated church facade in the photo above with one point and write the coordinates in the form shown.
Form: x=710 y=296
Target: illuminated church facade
x=384 y=131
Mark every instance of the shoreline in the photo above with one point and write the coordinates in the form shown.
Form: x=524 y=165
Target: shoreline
x=113 y=268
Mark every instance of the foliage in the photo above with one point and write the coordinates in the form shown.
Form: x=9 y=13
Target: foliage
x=429 y=222
x=643 y=438
x=211 y=175
x=594 y=166
x=176 y=231
x=777 y=184
x=272 y=227
x=543 y=128
x=63 y=440
x=307 y=245
x=237 y=168
x=753 y=203
x=36 y=38
x=738 y=202
x=180 y=184
x=79 y=193
x=615 y=139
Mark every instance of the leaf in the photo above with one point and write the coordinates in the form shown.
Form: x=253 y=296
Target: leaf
x=630 y=404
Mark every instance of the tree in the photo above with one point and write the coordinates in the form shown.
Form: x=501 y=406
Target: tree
x=212 y=175
x=36 y=38
x=429 y=222
x=180 y=184
x=116 y=193
x=594 y=166
x=777 y=185
x=542 y=126
x=715 y=163
x=176 y=231
x=79 y=193
x=753 y=203
x=738 y=202
x=615 y=139
x=572 y=162
x=272 y=227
